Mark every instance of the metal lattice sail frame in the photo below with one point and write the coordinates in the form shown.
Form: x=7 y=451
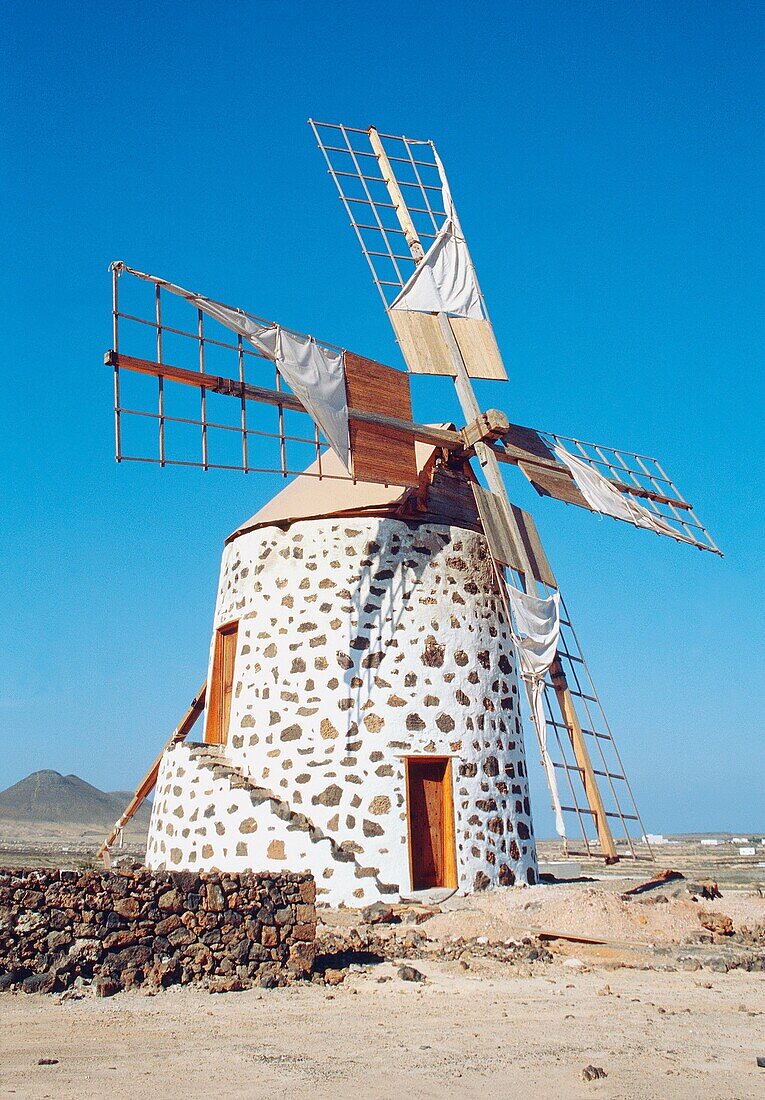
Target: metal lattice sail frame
x=645 y=479
x=363 y=189
x=244 y=364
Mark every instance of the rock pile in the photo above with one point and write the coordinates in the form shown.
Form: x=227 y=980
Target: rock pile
x=135 y=927
x=363 y=944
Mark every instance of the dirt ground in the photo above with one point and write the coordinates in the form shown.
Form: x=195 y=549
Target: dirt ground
x=664 y=1007
x=474 y=1033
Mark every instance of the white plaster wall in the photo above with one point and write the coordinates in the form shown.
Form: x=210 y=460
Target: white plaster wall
x=203 y=823
x=362 y=641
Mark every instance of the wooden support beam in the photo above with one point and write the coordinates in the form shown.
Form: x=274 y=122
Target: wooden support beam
x=582 y=756
x=647 y=494
x=489 y=457
x=402 y=213
x=147 y=784
x=212 y=382
x=525 y=541
x=486 y=428
x=426 y=433
x=525 y=448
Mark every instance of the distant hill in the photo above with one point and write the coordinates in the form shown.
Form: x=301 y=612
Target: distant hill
x=49 y=797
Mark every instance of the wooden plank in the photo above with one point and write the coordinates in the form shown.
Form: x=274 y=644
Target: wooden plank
x=149 y=781
x=554 y=482
x=422 y=345
x=380 y=453
x=420 y=340
x=534 y=551
x=582 y=756
x=478 y=347
x=493 y=511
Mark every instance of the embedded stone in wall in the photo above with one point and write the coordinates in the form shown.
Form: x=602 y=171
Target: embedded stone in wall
x=355 y=655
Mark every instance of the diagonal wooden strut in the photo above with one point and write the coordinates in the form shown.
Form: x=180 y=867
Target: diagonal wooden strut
x=147 y=784
x=488 y=459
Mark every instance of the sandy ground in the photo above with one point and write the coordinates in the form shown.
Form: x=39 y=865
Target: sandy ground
x=477 y=1028
x=593 y=910
x=479 y=1033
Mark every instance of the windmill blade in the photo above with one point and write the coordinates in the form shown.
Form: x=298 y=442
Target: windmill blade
x=591 y=777
x=622 y=484
x=399 y=202
x=582 y=765
x=183 y=340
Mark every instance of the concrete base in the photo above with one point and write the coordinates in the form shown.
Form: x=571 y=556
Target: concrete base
x=563 y=870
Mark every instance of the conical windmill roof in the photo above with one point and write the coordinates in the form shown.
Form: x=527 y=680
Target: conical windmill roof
x=311 y=497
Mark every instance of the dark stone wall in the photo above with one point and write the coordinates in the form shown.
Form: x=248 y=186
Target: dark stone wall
x=136 y=927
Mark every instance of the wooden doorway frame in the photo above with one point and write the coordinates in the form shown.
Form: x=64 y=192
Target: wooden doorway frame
x=221 y=691
x=451 y=877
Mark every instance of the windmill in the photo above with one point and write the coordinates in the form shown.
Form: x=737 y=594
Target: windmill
x=352 y=418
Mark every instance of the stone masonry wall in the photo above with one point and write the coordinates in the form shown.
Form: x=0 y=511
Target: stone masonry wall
x=361 y=642
x=222 y=819
x=134 y=927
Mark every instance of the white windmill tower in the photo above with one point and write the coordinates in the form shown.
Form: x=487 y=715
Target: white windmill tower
x=362 y=716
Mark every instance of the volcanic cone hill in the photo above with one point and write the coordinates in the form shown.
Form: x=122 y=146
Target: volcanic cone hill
x=47 y=796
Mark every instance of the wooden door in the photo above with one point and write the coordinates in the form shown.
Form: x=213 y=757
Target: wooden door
x=432 y=857
x=222 y=683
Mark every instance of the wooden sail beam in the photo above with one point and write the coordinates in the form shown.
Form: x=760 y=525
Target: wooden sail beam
x=489 y=424
x=149 y=781
x=489 y=456
x=389 y=176
x=514 y=457
x=583 y=761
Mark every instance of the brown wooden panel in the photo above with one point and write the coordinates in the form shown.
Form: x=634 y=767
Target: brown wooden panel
x=221 y=685
x=380 y=453
x=554 y=482
x=450 y=500
x=492 y=507
x=421 y=342
x=431 y=823
x=521 y=443
x=532 y=543
x=478 y=347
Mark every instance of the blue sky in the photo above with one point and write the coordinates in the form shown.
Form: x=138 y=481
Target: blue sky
x=607 y=164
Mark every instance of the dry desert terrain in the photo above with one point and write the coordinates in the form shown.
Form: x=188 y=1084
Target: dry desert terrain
x=664 y=1006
